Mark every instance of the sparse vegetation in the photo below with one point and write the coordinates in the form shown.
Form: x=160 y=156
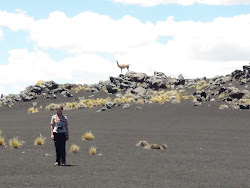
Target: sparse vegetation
x=86 y=103
x=88 y=136
x=74 y=148
x=81 y=104
x=15 y=142
x=201 y=85
x=33 y=110
x=51 y=106
x=40 y=140
x=88 y=88
x=70 y=106
x=39 y=82
x=104 y=89
x=173 y=96
x=127 y=99
x=78 y=88
x=2 y=142
x=92 y=150
x=117 y=100
x=140 y=101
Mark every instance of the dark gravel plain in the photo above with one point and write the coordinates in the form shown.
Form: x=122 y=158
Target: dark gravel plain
x=207 y=147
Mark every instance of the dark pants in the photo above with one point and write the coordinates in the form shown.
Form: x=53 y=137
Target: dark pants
x=60 y=143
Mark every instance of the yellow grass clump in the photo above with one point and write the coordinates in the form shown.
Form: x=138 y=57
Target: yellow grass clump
x=101 y=101
x=40 y=140
x=92 y=150
x=117 y=100
x=118 y=88
x=86 y=103
x=88 y=88
x=201 y=85
x=88 y=136
x=32 y=110
x=78 y=88
x=81 y=104
x=89 y=103
x=70 y=105
x=51 y=106
x=173 y=96
x=39 y=82
x=74 y=148
x=15 y=143
x=2 y=142
x=140 y=101
x=127 y=99
x=192 y=86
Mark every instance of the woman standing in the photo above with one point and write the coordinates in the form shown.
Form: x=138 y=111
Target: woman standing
x=60 y=133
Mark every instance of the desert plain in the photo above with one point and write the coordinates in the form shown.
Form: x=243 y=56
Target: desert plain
x=206 y=146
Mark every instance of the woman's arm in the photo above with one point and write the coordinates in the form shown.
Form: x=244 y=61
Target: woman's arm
x=51 y=132
x=67 y=131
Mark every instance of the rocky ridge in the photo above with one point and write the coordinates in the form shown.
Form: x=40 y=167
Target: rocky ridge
x=230 y=90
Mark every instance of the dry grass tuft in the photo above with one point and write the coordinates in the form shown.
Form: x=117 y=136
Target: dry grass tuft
x=39 y=82
x=51 y=106
x=92 y=150
x=70 y=105
x=15 y=143
x=74 y=148
x=78 y=88
x=88 y=136
x=2 y=142
x=40 y=140
x=201 y=85
x=140 y=101
x=173 y=96
x=32 y=110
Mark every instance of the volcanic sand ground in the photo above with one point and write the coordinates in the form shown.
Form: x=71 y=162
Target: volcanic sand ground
x=207 y=147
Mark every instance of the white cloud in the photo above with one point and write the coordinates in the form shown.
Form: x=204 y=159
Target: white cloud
x=196 y=49
x=1 y=33
x=90 y=32
x=15 y=21
x=26 y=68
x=150 y=3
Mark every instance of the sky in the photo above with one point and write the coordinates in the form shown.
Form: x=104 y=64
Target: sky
x=79 y=41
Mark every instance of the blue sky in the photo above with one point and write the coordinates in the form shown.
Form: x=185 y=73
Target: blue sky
x=197 y=12
x=85 y=38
